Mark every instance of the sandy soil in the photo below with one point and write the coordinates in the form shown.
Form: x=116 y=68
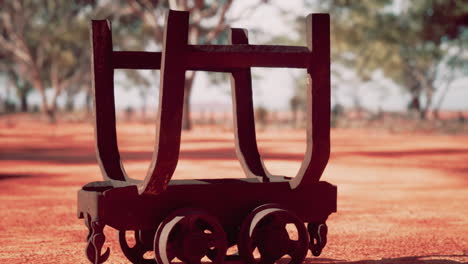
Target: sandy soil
x=402 y=198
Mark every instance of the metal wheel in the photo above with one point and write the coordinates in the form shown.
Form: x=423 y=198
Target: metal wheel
x=318 y=237
x=135 y=253
x=190 y=235
x=265 y=229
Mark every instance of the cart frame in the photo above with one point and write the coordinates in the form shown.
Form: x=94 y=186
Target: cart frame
x=128 y=204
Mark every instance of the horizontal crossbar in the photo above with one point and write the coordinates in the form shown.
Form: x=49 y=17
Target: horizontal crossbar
x=220 y=58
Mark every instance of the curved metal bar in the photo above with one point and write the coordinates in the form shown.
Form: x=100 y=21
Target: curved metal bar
x=171 y=100
x=318 y=101
x=103 y=87
x=174 y=63
x=244 y=121
x=318 y=107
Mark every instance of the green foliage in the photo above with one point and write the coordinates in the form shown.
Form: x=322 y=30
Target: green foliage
x=10 y=106
x=45 y=45
x=409 y=41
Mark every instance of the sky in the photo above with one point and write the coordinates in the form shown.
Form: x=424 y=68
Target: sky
x=274 y=87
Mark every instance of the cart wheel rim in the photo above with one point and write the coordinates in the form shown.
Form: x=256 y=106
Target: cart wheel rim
x=265 y=229
x=135 y=253
x=190 y=234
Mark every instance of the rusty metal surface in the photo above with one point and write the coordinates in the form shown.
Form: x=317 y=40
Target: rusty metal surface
x=171 y=100
x=244 y=121
x=265 y=229
x=136 y=252
x=176 y=58
x=223 y=206
x=95 y=241
x=190 y=234
x=104 y=107
x=318 y=101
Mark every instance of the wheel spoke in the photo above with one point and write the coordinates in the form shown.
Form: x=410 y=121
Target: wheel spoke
x=294 y=249
x=124 y=244
x=192 y=260
x=192 y=220
x=211 y=239
x=268 y=260
x=278 y=222
x=212 y=253
x=135 y=253
x=192 y=243
x=271 y=237
x=171 y=251
x=185 y=225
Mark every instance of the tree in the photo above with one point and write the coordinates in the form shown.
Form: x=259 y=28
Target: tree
x=22 y=87
x=45 y=42
x=48 y=41
x=261 y=114
x=410 y=44
x=298 y=102
x=207 y=24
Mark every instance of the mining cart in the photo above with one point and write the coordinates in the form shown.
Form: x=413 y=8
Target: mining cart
x=198 y=220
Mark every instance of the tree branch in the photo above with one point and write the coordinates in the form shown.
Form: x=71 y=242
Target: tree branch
x=145 y=11
x=211 y=35
x=246 y=12
x=201 y=14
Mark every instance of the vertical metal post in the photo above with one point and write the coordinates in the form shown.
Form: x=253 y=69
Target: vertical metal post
x=104 y=105
x=318 y=103
x=243 y=115
x=171 y=100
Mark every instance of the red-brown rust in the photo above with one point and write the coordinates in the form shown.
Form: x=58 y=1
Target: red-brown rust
x=126 y=204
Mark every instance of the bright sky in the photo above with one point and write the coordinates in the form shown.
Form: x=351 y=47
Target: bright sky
x=274 y=87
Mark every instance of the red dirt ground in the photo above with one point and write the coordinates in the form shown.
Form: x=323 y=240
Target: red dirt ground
x=403 y=198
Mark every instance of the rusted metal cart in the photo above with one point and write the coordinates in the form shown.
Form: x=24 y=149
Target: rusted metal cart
x=193 y=219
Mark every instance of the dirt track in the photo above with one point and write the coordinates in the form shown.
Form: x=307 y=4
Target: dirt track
x=402 y=198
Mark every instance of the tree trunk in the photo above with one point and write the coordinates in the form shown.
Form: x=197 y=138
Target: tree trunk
x=24 y=102
x=144 y=105
x=435 y=113
x=51 y=116
x=89 y=102
x=186 y=120
x=425 y=110
x=70 y=104
x=37 y=83
x=423 y=114
x=414 y=106
x=52 y=110
x=441 y=99
x=49 y=112
x=293 y=118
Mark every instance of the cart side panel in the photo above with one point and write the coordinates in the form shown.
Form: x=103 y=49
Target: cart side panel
x=231 y=203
